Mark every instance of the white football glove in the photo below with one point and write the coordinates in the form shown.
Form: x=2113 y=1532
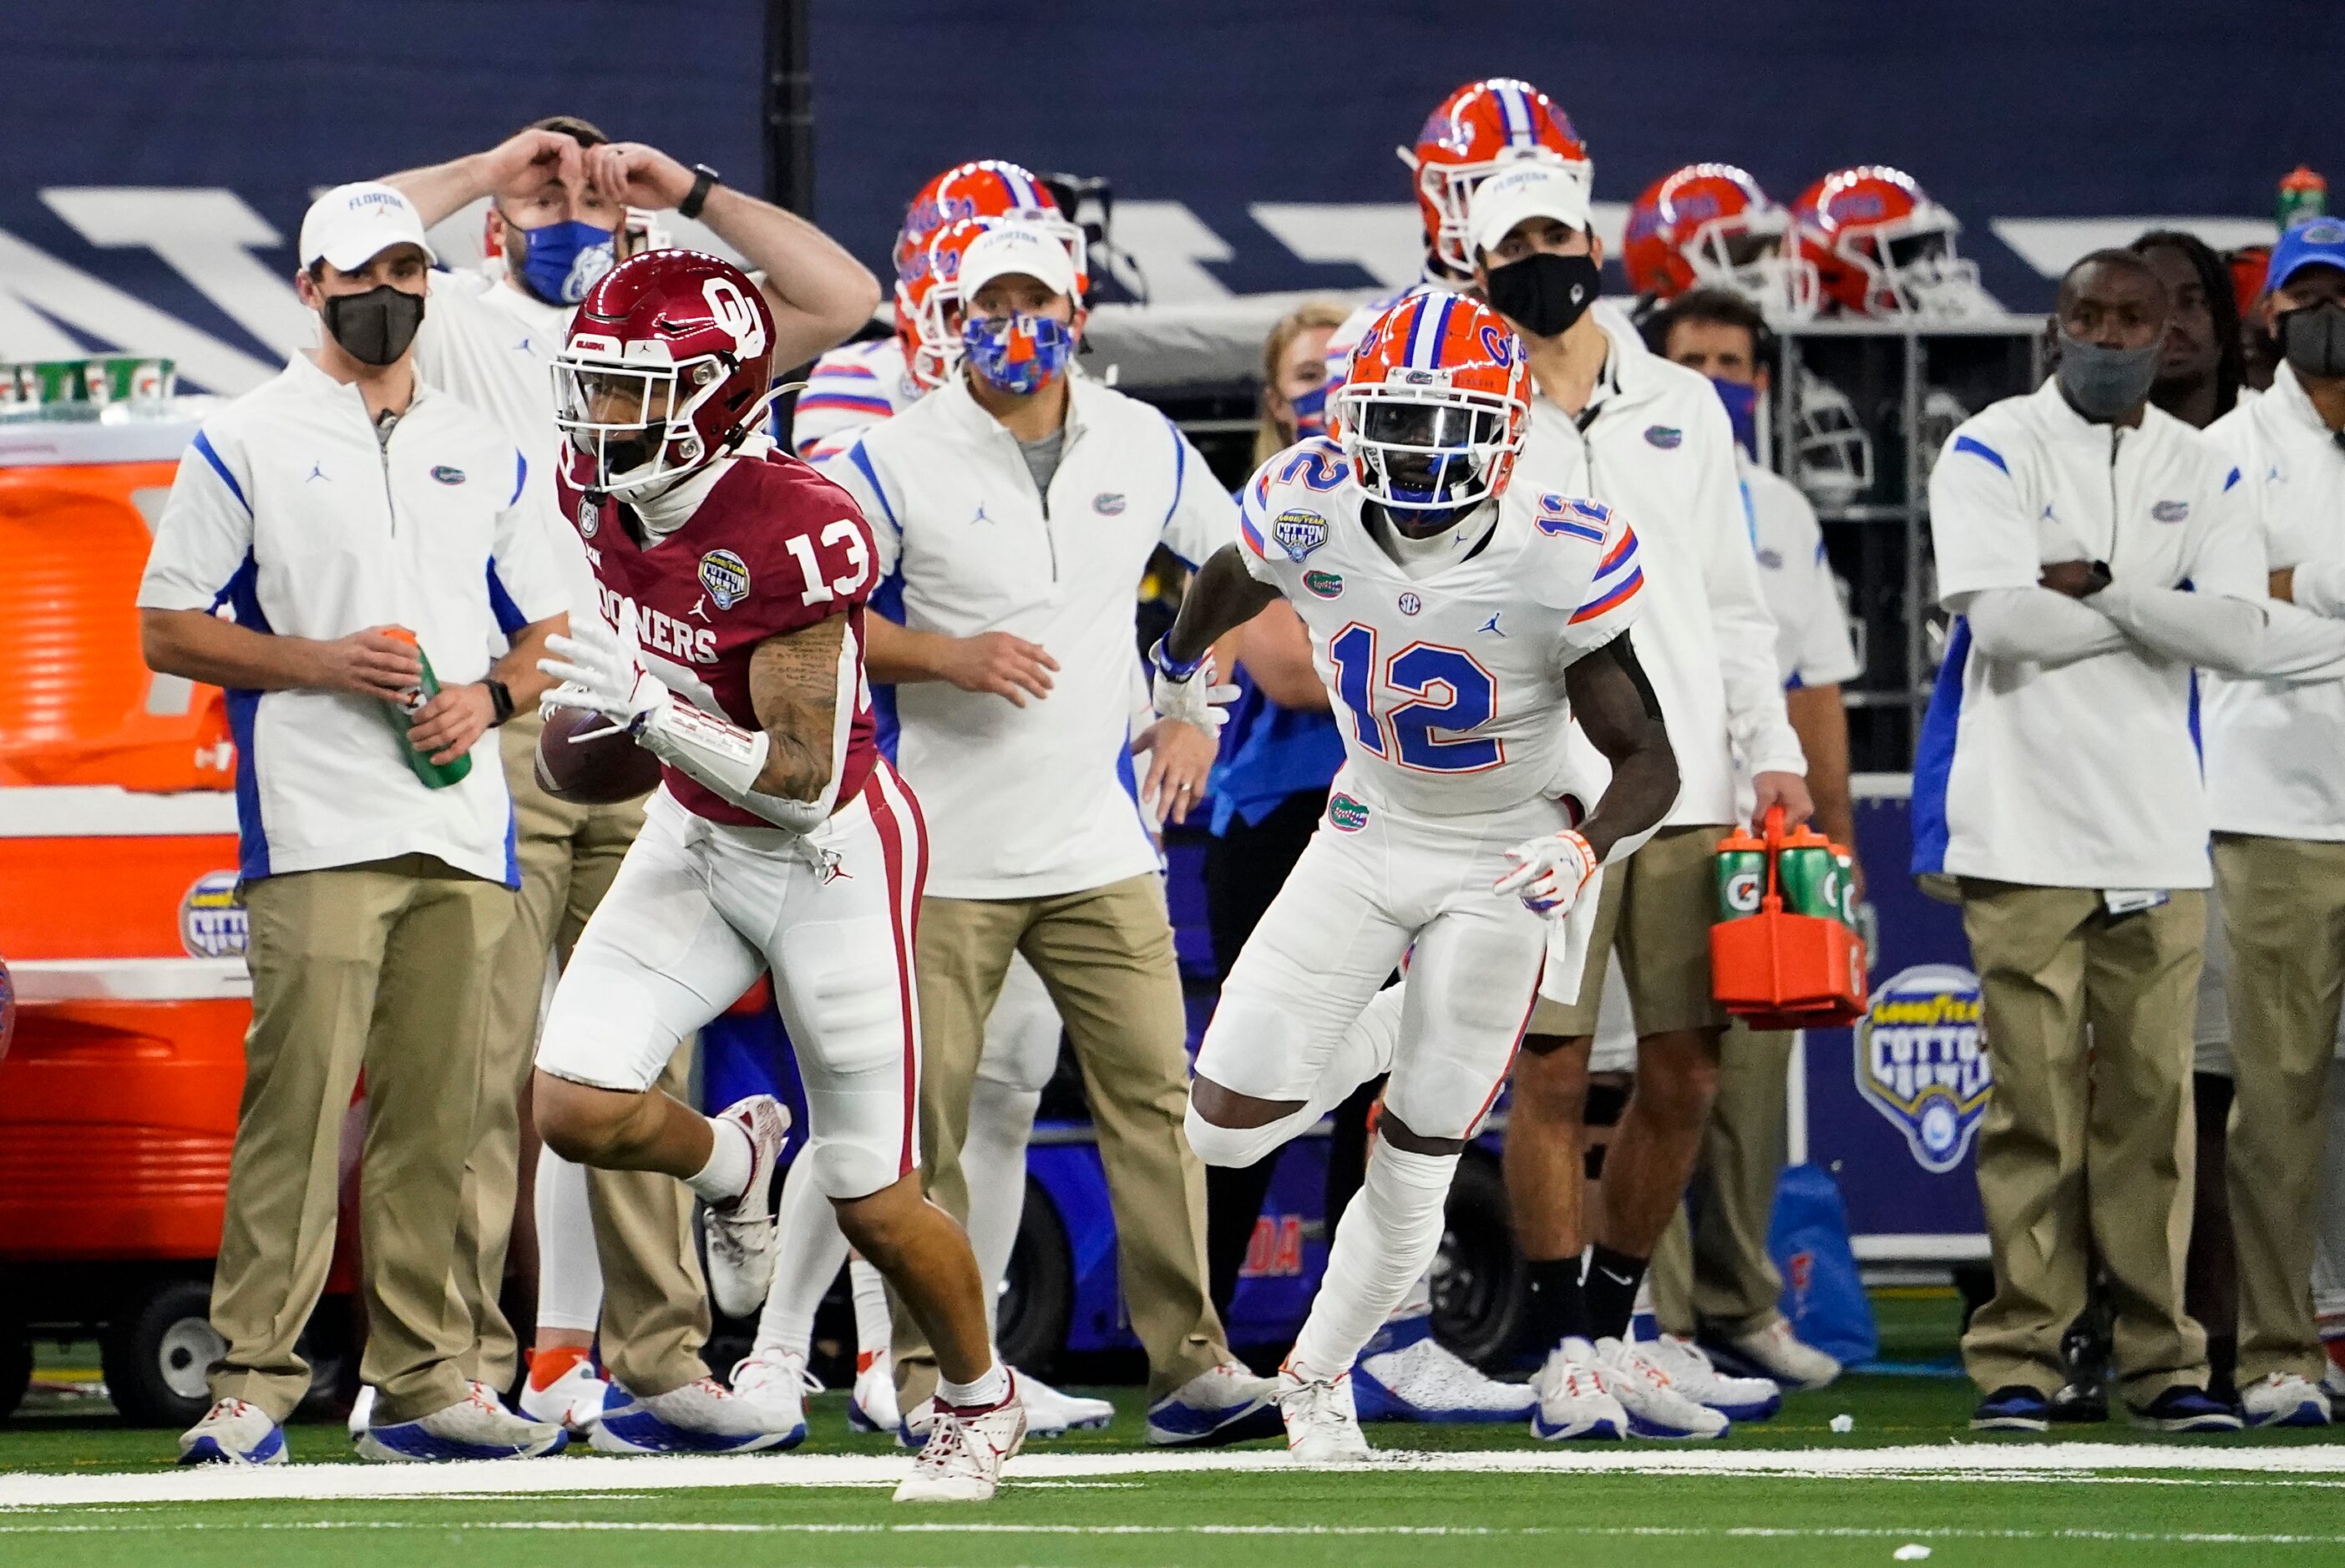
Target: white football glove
x=1548 y=873
x=600 y=671
x=1195 y=700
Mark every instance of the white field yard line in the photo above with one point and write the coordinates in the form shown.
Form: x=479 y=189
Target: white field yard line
x=527 y=1478
x=981 y=1527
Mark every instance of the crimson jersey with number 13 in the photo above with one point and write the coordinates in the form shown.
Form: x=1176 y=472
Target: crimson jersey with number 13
x=772 y=549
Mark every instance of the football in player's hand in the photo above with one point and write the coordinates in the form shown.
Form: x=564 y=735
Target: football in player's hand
x=603 y=768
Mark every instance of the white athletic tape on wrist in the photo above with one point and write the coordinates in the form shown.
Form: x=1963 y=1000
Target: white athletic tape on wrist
x=728 y=759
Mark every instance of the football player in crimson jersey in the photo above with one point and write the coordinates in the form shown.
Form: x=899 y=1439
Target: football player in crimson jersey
x=1463 y=616
x=781 y=840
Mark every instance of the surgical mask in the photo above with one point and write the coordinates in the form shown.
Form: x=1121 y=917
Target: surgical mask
x=1017 y=354
x=2312 y=339
x=561 y=260
x=1310 y=412
x=1742 y=400
x=2104 y=383
x=1544 y=293
x=377 y=327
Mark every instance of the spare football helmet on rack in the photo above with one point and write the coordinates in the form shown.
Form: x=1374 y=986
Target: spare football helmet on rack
x=1708 y=225
x=1880 y=246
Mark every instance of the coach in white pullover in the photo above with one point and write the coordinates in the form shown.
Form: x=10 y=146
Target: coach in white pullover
x=1652 y=439
x=342 y=500
x=1015 y=510
x=2097 y=550
x=2275 y=784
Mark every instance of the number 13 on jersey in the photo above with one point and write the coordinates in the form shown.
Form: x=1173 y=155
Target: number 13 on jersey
x=1420 y=707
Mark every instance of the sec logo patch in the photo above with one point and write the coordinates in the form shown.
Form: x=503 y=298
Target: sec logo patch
x=1325 y=584
x=1410 y=604
x=725 y=576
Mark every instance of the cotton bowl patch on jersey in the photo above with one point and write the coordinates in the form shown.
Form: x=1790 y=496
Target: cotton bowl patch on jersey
x=1324 y=584
x=725 y=576
x=1345 y=815
x=1922 y=1061
x=211 y=922
x=1298 y=532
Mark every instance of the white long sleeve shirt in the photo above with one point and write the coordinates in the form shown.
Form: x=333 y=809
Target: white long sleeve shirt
x=2079 y=773
x=289 y=513
x=1032 y=802
x=2276 y=748
x=1657 y=445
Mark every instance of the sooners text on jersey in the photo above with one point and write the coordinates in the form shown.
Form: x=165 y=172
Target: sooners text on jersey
x=773 y=548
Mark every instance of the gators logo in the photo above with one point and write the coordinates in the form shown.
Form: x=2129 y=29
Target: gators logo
x=1325 y=584
x=1345 y=815
x=1922 y=1062
x=1665 y=437
x=2170 y=511
x=211 y=922
x=447 y=475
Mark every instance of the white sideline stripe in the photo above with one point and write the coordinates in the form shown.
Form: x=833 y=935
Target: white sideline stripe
x=2076 y=1461
x=1679 y=1532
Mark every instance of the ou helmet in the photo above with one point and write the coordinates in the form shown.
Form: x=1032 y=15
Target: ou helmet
x=690 y=337
x=1475 y=132
x=1434 y=407
x=985 y=188
x=1880 y=246
x=1710 y=224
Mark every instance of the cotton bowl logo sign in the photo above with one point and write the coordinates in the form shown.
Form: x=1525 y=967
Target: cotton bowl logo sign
x=1920 y=1059
x=211 y=922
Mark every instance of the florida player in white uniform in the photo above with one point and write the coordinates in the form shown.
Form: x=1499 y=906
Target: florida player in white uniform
x=779 y=839
x=1461 y=622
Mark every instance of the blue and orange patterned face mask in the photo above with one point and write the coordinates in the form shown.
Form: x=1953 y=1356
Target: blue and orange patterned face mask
x=1017 y=354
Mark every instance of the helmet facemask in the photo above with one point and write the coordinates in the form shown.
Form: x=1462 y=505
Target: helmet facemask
x=1426 y=453
x=1746 y=254
x=1449 y=189
x=1911 y=268
x=633 y=420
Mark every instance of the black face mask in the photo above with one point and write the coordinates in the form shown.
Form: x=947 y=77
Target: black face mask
x=2103 y=383
x=2312 y=339
x=375 y=328
x=1545 y=293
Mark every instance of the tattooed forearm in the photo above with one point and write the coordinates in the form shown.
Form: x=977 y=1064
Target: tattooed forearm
x=794 y=689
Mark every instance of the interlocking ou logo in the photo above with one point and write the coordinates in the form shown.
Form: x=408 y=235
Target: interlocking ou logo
x=736 y=313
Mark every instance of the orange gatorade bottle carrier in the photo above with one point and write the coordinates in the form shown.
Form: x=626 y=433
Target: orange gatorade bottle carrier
x=1784 y=954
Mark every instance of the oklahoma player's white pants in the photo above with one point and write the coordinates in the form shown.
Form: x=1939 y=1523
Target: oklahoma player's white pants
x=1355 y=903
x=699 y=908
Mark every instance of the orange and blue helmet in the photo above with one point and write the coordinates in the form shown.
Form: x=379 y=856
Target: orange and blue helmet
x=1880 y=246
x=1473 y=131
x=1434 y=407
x=1710 y=224
x=984 y=187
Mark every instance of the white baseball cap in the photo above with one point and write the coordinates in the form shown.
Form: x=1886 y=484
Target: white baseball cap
x=351 y=225
x=1017 y=247
x=1538 y=189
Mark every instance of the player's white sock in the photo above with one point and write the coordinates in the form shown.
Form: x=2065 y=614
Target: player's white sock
x=569 y=1274
x=1388 y=1237
x=1418 y=1303
x=731 y=1158
x=993 y=1160
x=811 y=1246
x=989 y=1389
x=874 y=1328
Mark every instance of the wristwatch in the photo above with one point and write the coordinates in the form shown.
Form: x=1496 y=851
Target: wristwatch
x=500 y=702
x=703 y=180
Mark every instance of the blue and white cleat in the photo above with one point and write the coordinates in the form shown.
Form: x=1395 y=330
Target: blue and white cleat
x=479 y=1427
x=1226 y=1404
x=871 y=1407
x=2284 y=1398
x=703 y=1416
x=2184 y=1408
x=233 y=1432
x=1407 y=1374
x=1051 y=1412
x=1694 y=1375
x=1656 y=1406
x=1575 y=1403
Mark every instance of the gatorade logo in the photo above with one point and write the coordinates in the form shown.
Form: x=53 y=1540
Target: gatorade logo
x=1744 y=890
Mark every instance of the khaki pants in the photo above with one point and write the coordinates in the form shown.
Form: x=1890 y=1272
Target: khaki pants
x=1712 y=1270
x=1106 y=956
x=2086 y=1132
x=655 y=1309
x=380 y=966
x=2284 y=910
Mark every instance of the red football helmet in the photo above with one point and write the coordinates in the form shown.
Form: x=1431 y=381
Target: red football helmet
x=1710 y=224
x=669 y=363
x=1476 y=130
x=1434 y=407
x=987 y=188
x=1880 y=246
